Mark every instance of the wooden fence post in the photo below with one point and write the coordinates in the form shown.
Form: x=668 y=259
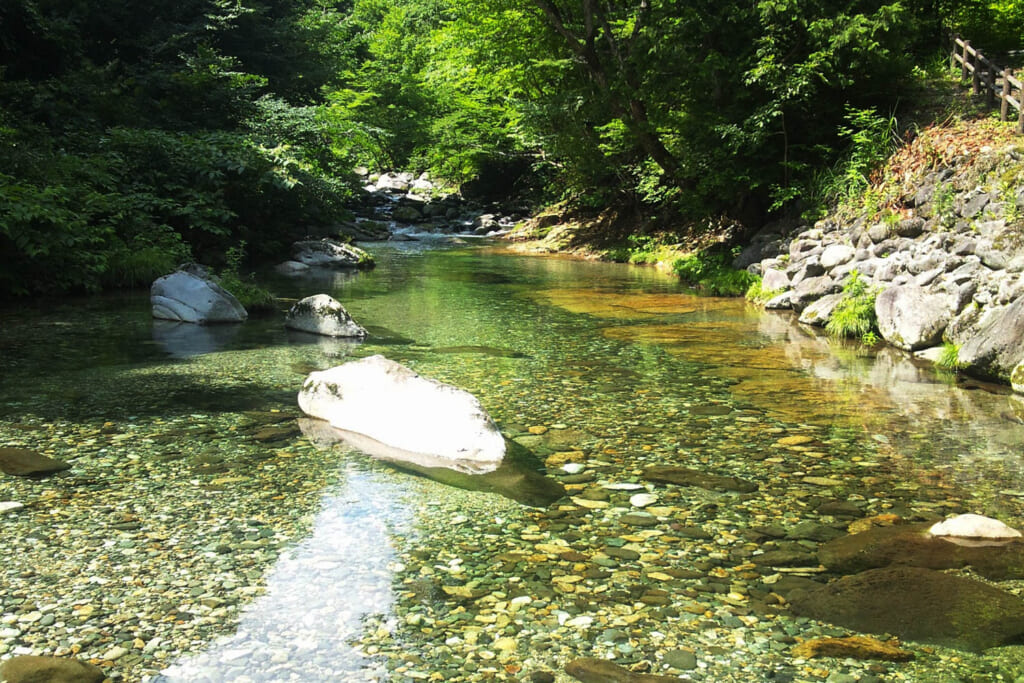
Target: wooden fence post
x=964 y=68
x=1004 y=104
x=990 y=84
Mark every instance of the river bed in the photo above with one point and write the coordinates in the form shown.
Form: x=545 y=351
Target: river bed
x=201 y=536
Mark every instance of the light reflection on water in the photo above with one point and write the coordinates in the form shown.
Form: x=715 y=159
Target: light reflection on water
x=317 y=596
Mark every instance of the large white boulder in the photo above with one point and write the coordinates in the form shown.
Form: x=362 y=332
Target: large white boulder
x=390 y=403
x=192 y=295
x=322 y=314
x=973 y=526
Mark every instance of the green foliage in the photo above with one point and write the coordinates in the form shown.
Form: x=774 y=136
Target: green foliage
x=950 y=358
x=710 y=272
x=854 y=316
x=943 y=204
x=758 y=294
x=254 y=298
x=132 y=140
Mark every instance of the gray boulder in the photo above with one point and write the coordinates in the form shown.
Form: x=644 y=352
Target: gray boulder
x=322 y=314
x=997 y=345
x=328 y=253
x=774 y=280
x=811 y=289
x=192 y=295
x=911 y=318
x=819 y=312
x=836 y=255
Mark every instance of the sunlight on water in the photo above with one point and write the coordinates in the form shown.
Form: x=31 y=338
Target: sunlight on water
x=317 y=596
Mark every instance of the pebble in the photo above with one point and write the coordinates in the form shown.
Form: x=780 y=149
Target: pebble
x=642 y=500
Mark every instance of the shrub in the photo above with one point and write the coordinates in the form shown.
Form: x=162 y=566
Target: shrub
x=710 y=272
x=854 y=316
x=950 y=358
x=256 y=299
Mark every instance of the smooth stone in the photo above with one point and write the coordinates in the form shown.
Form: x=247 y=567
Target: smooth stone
x=684 y=660
x=593 y=670
x=911 y=544
x=33 y=669
x=21 y=462
x=916 y=604
x=973 y=526
x=683 y=476
x=10 y=506
x=638 y=519
x=193 y=295
x=642 y=500
x=389 y=403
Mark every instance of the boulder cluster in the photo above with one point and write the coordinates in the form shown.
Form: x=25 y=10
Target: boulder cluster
x=946 y=265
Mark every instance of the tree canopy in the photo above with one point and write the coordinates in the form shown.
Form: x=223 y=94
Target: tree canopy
x=133 y=139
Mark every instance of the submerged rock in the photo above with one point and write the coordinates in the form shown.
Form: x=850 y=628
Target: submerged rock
x=322 y=314
x=912 y=545
x=857 y=647
x=917 y=604
x=32 y=669
x=683 y=476
x=22 y=462
x=388 y=402
x=193 y=295
x=594 y=670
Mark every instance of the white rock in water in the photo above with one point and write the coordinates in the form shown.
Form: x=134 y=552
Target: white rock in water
x=973 y=526
x=387 y=401
x=642 y=500
x=573 y=467
x=322 y=314
x=8 y=505
x=192 y=295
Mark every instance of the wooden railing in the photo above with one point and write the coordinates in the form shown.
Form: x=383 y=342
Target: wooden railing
x=984 y=74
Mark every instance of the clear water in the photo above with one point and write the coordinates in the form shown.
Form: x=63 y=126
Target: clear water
x=209 y=550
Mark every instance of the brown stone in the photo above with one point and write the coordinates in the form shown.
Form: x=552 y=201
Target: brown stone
x=915 y=604
x=684 y=476
x=22 y=462
x=857 y=647
x=911 y=544
x=29 y=669
x=593 y=670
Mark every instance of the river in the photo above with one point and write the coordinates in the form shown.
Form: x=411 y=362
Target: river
x=201 y=536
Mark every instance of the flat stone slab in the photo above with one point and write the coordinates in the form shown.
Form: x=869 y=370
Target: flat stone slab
x=919 y=604
x=22 y=462
x=684 y=476
x=912 y=545
x=30 y=669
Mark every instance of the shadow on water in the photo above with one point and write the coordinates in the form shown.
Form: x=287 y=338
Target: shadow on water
x=516 y=478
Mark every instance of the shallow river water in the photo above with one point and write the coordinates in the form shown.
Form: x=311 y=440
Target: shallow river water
x=205 y=533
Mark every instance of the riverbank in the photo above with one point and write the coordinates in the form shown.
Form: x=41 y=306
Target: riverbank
x=932 y=252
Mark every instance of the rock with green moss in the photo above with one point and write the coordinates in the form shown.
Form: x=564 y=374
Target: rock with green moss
x=322 y=314
x=331 y=253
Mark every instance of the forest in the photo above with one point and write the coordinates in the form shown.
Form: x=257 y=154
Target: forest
x=134 y=139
